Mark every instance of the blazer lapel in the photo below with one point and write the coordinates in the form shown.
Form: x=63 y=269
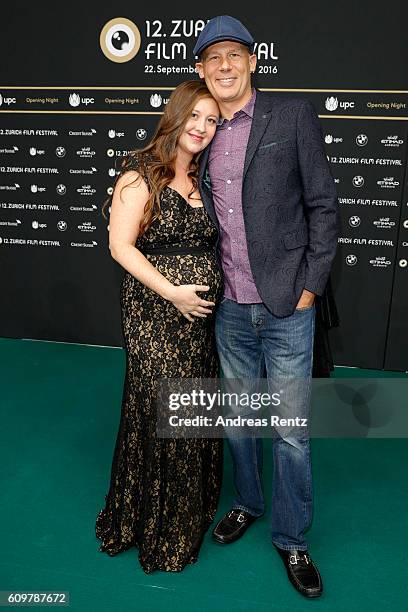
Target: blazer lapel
x=203 y=163
x=260 y=119
x=204 y=185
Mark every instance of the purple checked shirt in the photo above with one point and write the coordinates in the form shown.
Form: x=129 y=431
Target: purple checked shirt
x=226 y=167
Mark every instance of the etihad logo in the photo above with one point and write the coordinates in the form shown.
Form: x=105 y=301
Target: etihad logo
x=388 y=182
x=380 y=262
x=86 y=226
x=384 y=223
x=86 y=152
x=392 y=141
x=75 y=100
x=86 y=190
x=333 y=104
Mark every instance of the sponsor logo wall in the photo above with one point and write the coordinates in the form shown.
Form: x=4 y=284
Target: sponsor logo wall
x=60 y=148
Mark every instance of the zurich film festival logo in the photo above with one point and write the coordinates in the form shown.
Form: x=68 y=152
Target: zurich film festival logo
x=120 y=40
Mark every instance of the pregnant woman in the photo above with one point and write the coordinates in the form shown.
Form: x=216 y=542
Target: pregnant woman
x=163 y=492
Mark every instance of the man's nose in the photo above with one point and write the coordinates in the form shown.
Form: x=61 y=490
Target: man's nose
x=225 y=63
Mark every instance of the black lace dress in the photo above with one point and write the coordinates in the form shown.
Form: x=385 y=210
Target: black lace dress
x=163 y=492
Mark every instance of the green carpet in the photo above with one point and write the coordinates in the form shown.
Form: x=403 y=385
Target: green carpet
x=60 y=407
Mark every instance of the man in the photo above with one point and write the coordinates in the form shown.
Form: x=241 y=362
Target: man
x=266 y=183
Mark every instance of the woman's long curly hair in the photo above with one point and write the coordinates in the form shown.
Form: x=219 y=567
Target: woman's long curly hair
x=156 y=162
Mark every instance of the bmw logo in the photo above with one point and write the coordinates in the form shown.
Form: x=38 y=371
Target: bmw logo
x=362 y=140
x=354 y=221
x=358 y=181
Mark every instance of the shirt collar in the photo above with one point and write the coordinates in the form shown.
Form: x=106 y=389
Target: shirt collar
x=248 y=109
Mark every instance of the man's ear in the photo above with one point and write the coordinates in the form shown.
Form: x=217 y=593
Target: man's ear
x=252 y=62
x=199 y=69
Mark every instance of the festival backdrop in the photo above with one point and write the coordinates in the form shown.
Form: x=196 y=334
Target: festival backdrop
x=80 y=87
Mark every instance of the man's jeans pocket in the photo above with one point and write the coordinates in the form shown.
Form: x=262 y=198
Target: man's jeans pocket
x=305 y=308
x=224 y=299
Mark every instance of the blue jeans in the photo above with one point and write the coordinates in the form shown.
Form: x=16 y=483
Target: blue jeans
x=251 y=340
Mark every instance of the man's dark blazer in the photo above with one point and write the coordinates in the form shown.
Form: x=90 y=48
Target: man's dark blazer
x=289 y=202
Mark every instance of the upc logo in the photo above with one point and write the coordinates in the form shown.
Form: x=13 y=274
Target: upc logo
x=155 y=100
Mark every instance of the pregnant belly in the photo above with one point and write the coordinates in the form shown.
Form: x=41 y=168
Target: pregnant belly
x=191 y=269
x=199 y=269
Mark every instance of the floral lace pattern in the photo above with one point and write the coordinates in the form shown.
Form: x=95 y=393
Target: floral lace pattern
x=163 y=492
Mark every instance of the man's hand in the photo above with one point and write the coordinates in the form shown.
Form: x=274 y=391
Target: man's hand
x=306 y=299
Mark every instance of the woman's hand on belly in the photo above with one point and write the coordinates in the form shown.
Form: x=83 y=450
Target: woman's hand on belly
x=186 y=300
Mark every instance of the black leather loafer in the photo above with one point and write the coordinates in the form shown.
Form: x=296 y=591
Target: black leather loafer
x=302 y=572
x=232 y=526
